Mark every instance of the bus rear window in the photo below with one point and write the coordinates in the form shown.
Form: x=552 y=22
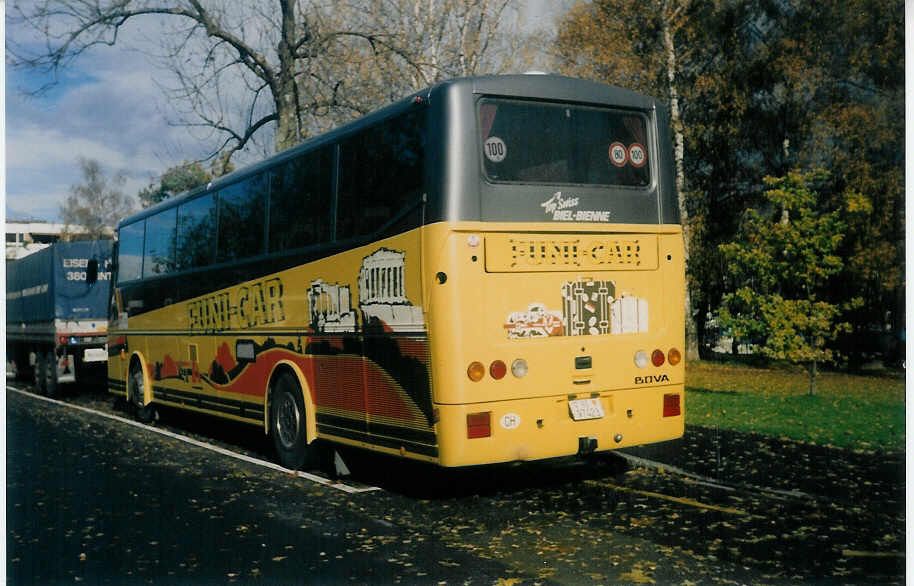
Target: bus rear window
x=537 y=142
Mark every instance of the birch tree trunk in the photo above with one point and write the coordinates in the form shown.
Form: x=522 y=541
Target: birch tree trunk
x=669 y=16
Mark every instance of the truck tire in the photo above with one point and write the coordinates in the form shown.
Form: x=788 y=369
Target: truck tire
x=51 y=374
x=24 y=370
x=40 y=372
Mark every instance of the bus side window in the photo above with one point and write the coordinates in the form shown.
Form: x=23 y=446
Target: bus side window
x=242 y=213
x=301 y=194
x=196 y=237
x=158 y=253
x=381 y=175
x=130 y=251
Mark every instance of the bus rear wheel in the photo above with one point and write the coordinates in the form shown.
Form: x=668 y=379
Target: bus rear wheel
x=288 y=425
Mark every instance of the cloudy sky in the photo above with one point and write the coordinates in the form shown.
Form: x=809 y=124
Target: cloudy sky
x=106 y=107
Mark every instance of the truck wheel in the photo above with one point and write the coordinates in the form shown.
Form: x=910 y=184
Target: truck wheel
x=40 y=372
x=288 y=425
x=24 y=370
x=79 y=369
x=136 y=394
x=51 y=373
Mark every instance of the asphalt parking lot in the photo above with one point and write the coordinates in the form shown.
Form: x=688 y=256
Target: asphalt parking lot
x=94 y=500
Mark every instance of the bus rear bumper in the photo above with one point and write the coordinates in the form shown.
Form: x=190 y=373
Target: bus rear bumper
x=545 y=427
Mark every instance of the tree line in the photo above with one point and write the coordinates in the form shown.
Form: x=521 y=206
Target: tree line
x=788 y=125
x=788 y=118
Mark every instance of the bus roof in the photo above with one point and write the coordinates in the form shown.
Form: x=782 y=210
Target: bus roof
x=540 y=86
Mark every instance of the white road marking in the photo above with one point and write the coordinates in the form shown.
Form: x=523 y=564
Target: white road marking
x=256 y=461
x=775 y=493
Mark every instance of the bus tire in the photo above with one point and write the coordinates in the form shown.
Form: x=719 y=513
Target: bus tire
x=40 y=372
x=288 y=424
x=136 y=394
x=51 y=374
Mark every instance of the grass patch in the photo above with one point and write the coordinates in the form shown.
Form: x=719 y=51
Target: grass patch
x=847 y=411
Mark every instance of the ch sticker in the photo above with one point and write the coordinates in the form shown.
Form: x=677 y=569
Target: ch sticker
x=510 y=421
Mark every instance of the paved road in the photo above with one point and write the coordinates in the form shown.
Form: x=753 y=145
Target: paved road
x=94 y=501
x=97 y=501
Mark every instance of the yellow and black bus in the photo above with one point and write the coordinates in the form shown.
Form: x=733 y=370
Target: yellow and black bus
x=490 y=270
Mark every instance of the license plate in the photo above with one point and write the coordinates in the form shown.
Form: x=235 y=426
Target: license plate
x=582 y=409
x=95 y=355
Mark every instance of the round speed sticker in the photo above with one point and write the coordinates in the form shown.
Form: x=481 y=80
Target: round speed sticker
x=495 y=149
x=637 y=154
x=618 y=154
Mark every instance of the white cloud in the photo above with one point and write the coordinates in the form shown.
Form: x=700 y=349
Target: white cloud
x=34 y=149
x=108 y=110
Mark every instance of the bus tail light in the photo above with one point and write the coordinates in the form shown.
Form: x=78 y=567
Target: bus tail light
x=479 y=424
x=671 y=406
x=498 y=370
x=519 y=368
x=673 y=357
x=476 y=371
x=658 y=358
x=641 y=359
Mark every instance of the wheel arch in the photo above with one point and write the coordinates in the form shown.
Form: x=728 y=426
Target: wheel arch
x=138 y=358
x=310 y=417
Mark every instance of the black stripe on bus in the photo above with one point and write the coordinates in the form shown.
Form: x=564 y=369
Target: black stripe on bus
x=380 y=441
x=241 y=409
x=393 y=436
x=359 y=425
x=373 y=428
x=409 y=434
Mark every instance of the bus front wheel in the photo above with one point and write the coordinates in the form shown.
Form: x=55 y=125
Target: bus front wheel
x=288 y=425
x=136 y=395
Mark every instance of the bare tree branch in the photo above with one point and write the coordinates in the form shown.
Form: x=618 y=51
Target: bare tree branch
x=244 y=69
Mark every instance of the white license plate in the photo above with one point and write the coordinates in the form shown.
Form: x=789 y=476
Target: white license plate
x=582 y=409
x=95 y=355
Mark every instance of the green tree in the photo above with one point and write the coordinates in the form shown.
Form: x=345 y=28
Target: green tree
x=762 y=88
x=174 y=181
x=840 y=63
x=98 y=204
x=781 y=263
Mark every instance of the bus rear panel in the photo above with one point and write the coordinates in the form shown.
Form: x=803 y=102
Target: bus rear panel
x=556 y=318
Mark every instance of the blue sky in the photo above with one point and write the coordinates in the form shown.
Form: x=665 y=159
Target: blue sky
x=106 y=107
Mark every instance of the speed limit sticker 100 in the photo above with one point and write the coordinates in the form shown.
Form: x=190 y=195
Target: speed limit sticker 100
x=495 y=149
x=637 y=155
